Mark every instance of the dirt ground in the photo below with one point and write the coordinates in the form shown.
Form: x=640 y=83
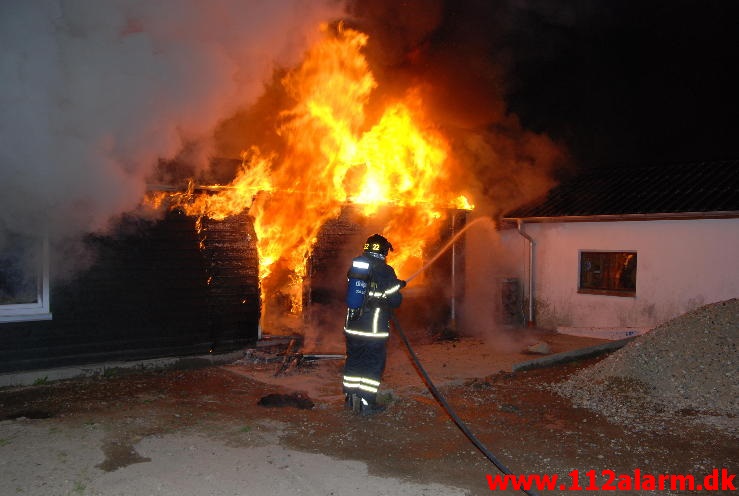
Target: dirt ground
x=201 y=431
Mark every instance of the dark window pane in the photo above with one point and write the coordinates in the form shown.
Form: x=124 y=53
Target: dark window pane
x=608 y=271
x=19 y=270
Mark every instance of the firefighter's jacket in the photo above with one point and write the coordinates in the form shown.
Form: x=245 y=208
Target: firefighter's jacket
x=381 y=294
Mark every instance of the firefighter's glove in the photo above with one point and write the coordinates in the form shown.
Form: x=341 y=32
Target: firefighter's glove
x=354 y=313
x=403 y=284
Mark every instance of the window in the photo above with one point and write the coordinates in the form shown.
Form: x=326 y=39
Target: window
x=24 y=278
x=608 y=272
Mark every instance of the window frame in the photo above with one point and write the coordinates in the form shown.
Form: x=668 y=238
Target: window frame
x=605 y=291
x=39 y=309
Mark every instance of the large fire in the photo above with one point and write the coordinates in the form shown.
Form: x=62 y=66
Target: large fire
x=333 y=157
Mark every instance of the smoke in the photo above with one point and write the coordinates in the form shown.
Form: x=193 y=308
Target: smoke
x=490 y=285
x=94 y=94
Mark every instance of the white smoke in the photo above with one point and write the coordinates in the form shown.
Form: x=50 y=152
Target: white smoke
x=93 y=93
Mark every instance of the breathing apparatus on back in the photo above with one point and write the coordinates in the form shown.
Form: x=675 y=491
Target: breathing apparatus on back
x=360 y=274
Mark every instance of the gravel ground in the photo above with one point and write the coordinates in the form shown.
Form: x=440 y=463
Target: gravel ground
x=686 y=365
x=206 y=431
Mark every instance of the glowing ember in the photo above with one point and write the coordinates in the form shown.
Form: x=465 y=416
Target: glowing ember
x=332 y=157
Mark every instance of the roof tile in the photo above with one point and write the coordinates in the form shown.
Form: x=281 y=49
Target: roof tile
x=695 y=187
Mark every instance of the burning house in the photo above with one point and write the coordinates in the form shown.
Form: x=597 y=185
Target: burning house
x=223 y=263
x=231 y=249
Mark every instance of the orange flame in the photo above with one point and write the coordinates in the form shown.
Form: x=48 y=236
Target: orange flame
x=332 y=157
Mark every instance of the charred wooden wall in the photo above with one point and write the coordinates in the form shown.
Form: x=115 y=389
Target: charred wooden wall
x=339 y=240
x=155 y=289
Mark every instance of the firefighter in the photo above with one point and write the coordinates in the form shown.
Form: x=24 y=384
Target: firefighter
x=373 y=291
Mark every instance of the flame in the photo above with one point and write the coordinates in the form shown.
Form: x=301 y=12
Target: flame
x=333 y=156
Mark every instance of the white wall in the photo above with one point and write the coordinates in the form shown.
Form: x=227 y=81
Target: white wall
x=681 y=265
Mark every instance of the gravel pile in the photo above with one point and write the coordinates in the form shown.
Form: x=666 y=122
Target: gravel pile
x=686 y=366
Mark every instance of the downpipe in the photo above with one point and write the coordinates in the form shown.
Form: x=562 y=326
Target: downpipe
x=531 y=321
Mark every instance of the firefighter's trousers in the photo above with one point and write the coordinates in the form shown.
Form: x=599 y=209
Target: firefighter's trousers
x=365 y=363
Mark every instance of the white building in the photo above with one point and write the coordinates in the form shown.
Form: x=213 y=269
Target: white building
x=619 y=251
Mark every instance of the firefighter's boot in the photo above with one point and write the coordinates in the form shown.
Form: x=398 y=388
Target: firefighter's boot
x=370 y=407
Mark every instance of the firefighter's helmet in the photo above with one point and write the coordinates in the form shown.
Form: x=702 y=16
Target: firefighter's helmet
x=378 y=244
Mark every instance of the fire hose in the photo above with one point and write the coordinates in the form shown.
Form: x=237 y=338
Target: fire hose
x=450 y=411
x=435 y=391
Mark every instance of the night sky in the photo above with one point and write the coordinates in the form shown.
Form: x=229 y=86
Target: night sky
x=634 y=82
x=617 y=82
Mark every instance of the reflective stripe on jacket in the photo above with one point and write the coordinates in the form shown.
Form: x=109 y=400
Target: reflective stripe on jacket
x=374 y=331
x=383 y=294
